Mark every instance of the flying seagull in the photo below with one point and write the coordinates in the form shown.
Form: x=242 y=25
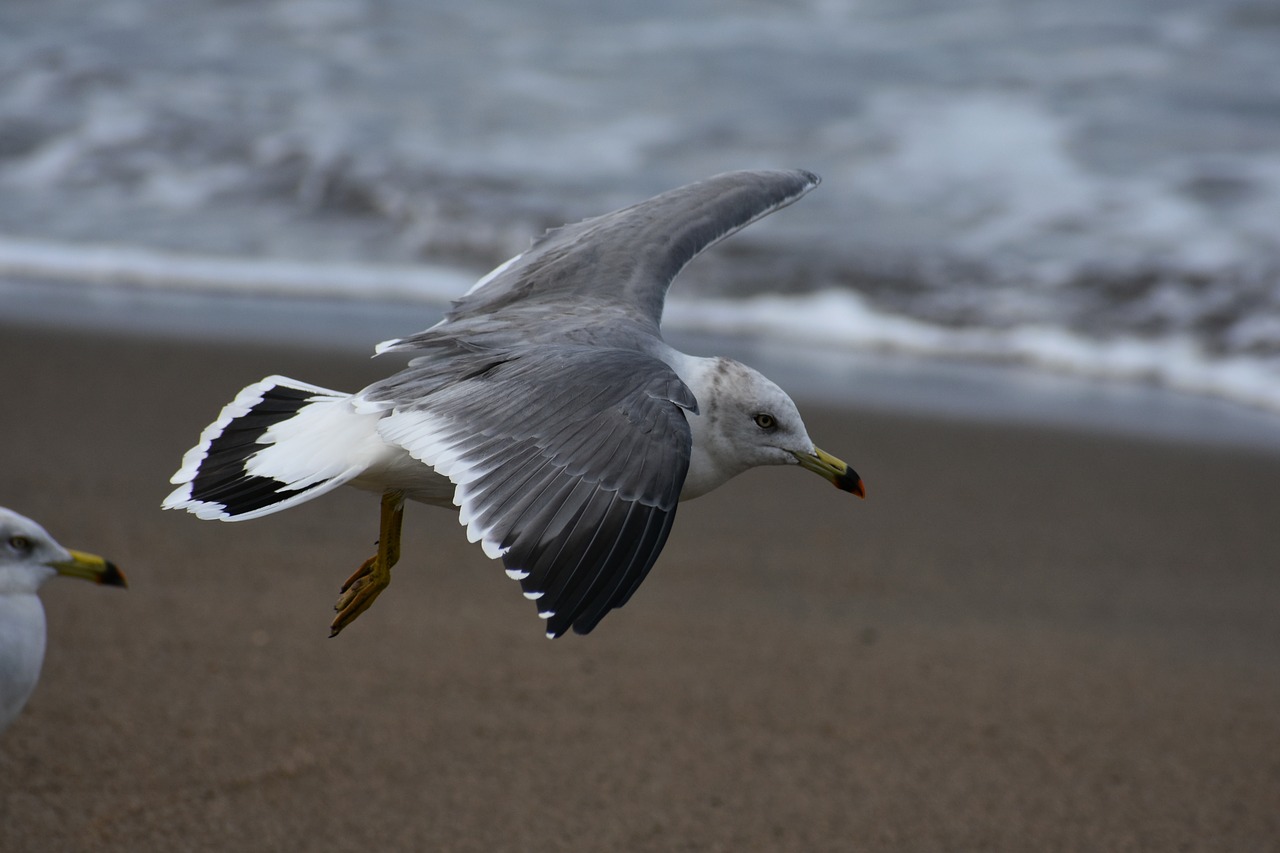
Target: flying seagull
x=545 y=407
x=28 y=557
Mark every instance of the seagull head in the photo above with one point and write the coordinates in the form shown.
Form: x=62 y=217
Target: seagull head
x=746 y=420
x=29 y=556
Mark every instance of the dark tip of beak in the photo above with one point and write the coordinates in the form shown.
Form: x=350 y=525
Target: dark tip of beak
x=849 y=481
x=112 y=576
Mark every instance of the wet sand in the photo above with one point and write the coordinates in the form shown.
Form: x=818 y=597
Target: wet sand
x=1025 y=639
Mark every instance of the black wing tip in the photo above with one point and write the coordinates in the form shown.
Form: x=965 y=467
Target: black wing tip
x=805 y=179
x=811 y=179
x=808 y=181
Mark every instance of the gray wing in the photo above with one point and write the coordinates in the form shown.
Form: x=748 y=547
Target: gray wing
x=619 y=265
x=568 y=464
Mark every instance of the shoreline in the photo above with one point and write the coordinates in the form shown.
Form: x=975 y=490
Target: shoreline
x=978 y=391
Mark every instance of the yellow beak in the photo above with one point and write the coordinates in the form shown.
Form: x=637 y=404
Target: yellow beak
x=834 y=470
x=90 y=567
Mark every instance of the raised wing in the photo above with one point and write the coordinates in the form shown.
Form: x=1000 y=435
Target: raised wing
x=568 y=463
x=615 y=267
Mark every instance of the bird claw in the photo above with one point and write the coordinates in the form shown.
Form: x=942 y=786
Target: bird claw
x=366 y=568
x=359 y=591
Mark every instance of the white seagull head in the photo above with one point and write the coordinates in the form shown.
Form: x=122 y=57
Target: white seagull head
x=29 y=556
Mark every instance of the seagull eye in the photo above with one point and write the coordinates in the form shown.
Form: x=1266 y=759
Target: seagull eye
x=766 y=421
x=20 y=544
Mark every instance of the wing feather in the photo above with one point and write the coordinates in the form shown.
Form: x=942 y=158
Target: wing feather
x=612 y=270
x=568 y=463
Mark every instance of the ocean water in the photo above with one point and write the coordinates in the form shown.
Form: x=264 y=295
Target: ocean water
x=1084 y=188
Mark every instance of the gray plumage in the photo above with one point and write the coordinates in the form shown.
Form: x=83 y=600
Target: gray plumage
x=545 y=406
x=604 y=280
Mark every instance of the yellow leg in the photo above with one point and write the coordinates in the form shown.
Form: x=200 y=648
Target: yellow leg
x=372 y=578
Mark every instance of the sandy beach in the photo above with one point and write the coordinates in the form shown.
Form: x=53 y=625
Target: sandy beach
x=1025 y=639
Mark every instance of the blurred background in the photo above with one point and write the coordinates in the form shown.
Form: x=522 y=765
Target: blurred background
x=1026 y=639
x=1088 y=188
